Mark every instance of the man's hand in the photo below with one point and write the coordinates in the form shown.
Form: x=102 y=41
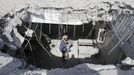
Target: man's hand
x=71 y=46
x=66 y=42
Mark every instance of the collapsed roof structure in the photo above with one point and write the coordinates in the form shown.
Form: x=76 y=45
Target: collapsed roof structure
x=117 y=18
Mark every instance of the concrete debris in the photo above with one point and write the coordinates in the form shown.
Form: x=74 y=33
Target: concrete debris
x=87 y=69
x=128 y=61
x=9 y=66
x=29 y=33
x=18 y=39
x=22 y=15
x=10 y=36
x=93 y=7
x=15 y=21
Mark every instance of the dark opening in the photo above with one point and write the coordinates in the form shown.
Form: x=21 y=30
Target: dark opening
x=39 y=57
x=55 y=31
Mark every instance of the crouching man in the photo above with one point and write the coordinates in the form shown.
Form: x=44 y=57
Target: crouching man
x=65 y=46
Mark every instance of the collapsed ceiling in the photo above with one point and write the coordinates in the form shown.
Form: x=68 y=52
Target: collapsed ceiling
x=94 y=8
x=8 y=6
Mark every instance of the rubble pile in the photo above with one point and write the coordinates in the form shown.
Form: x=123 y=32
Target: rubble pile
x=102 y=11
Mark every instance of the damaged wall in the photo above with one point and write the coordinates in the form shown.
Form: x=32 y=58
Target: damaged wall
x=117 y=42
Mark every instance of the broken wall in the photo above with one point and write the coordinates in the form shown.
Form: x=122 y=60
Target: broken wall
x=116 y=42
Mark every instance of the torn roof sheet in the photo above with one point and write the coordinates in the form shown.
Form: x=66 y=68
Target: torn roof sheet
x=57 y=17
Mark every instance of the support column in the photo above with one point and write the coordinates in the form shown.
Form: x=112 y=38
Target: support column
x=59 y=31
x=49 y=28
x=74 y=31
x=67 y=23
x=50 y=23
x=83 y=28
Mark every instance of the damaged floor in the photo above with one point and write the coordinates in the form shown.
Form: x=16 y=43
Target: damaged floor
x=77 y=55
x=76 y=51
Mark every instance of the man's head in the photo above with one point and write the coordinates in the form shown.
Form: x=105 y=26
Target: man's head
x=65 y=37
